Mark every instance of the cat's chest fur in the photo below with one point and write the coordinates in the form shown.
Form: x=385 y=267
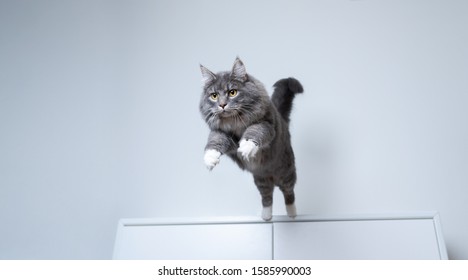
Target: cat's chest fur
x=232 y=126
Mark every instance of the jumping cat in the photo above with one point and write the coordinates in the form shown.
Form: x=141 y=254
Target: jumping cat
x=252 y=129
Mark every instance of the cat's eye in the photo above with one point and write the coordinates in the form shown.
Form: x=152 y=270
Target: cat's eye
x=232 y=92
x=214 y=96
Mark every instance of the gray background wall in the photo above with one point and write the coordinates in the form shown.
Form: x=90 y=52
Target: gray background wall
x=99 y=118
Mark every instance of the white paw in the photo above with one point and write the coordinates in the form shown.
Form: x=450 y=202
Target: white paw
x=291 y=210
x=267 y=213
x=247 y=149
x=211 y=158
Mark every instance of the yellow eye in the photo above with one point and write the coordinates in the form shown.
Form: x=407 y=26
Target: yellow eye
x=232 y=92
x=214 y=96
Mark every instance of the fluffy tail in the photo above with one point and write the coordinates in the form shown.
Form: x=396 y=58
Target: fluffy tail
x=283 y=95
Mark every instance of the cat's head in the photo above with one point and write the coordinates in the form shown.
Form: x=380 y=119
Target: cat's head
x=232 y=98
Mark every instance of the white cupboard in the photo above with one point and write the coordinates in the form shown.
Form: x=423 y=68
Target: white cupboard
x=410 y=236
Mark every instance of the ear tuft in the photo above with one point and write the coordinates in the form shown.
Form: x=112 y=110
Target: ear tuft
x=238 y=71
x=208 y=76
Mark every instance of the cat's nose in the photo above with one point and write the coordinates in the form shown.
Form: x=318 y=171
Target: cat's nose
x=222 y=105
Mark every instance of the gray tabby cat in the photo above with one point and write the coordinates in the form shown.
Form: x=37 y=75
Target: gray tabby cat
x=252 y=129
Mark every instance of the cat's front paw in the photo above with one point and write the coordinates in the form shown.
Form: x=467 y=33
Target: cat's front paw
x=211 y=158
x=247 y=149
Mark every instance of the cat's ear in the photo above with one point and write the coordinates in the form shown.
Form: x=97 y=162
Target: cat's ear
x=238 y=71
x=208 y=76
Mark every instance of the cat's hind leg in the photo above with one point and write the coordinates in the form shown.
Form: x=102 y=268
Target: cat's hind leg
x=265 y=186
x=289 y=199
x=287 y=188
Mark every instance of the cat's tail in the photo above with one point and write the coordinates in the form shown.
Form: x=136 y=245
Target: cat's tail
x=283 y=95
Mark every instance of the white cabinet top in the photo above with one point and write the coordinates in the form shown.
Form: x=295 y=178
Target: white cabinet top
x=403 y=236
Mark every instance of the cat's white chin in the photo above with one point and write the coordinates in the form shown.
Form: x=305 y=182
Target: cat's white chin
x=267 y=213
